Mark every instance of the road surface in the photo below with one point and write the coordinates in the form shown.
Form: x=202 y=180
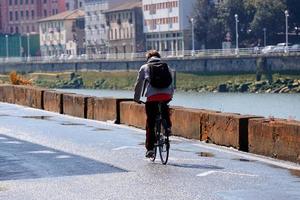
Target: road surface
x=45 y=155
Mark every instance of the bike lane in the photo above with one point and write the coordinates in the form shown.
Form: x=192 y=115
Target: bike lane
x=49 y=156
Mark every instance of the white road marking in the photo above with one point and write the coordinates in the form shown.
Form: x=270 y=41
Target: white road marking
x=12 y=142
x=63 y=156
x=125 y=147
x=3 y=138
x=229 y=173
x=42 y=152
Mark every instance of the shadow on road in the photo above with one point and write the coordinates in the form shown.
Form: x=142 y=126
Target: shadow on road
x=24 y=160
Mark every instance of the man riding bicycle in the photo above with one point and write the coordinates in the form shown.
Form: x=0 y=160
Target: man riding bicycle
x=155 y=80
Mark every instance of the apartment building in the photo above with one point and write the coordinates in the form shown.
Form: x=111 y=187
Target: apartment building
x=167 y=24
x=21 y=16
x=74 y=4
x=124 y=24
x=95 y=24
x=62 y=34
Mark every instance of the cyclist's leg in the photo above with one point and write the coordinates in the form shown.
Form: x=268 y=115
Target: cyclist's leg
x=166 y=114
x=151 y=112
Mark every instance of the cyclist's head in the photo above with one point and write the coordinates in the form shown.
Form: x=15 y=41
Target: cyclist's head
x=152 y=53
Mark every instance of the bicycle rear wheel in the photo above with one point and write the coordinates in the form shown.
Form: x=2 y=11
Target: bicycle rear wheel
x=164 y=145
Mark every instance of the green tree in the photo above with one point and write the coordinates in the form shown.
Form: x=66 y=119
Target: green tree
x=270 y=15
x=206 y=24
x=293 y=6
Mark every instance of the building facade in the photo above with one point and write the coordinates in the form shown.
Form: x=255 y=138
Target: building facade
x=124 y=26
x=95 y=24
x=167 y=24
x=62 y=34
x=21 y=16
x=74 y=4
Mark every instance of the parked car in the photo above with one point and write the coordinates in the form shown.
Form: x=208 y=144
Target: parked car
x=280 y=48
x=267 y=49
x=83 y=57
x=295 y=47
x=63 y=57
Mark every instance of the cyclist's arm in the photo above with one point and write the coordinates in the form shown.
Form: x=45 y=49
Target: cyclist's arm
x=139 y=85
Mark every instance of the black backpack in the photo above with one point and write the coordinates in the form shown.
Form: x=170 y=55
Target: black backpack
x=160 y=76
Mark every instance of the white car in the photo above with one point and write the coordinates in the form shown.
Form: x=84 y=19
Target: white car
x=267 y=49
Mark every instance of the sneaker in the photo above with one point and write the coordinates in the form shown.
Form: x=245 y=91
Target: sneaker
x=149 y=154
x=168 y=132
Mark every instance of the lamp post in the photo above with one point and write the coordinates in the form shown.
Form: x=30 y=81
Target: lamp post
x=286 y=31
x=20 y=44
x=193 y=37
x=133 y=37
x=236 y=34
x=6 y=42
x=159 y=37
x=28 y=47
x=265 y=36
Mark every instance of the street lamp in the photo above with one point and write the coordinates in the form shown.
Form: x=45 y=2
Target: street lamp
x=265 y=36
x=6 y=40
x=28 y=47
x=133 y=38
x=159 y=37
x=193 y=37
x=20 y=44
x=237 y=34
x=286 y=30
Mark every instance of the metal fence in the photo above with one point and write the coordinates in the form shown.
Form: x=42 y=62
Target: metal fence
x=208 y=53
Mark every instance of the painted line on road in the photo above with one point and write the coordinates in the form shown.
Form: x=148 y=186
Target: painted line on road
x=263 y=159
x=229 y=173
x=125 y=147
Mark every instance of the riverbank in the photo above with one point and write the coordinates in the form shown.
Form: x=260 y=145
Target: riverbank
x=124 y=80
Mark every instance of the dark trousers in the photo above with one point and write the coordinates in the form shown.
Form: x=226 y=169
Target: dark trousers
x=152 y=111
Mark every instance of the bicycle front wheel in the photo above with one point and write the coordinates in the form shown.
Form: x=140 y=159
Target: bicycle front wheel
x=164 y=148
x=164 y=145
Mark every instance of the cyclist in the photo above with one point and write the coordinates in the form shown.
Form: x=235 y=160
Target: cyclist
x=154 y=95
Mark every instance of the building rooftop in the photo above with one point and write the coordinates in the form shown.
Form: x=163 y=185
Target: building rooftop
x=128 y=5
x=67 y=15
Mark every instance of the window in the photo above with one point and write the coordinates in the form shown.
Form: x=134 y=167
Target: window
x=10 y=2
x=26 y=1
x=45 y=13
x=16 y=2
x=11 y=30
x=27 y=14
x=17 y=29
x=21 y=14
x=32 y=14
x=11 y=16
x=45 y=1
x=17 y=15
x=21 y=2
x=32 y=1
x=33 y=29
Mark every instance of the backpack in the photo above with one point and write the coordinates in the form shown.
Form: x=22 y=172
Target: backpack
x=159 y=75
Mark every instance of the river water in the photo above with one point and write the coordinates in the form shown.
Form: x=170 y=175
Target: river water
x=285 y=106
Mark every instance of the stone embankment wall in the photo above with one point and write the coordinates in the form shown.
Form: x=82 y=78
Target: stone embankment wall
x=241 y=64
x=275 y=138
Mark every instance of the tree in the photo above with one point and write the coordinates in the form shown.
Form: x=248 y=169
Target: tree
x=266 y=12
x=205 y=23
x=293 y=6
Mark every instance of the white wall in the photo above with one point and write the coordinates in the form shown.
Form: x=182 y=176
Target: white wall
x=184 y=11
x=97 y=18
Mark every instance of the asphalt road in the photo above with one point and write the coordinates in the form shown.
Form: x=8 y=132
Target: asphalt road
x=44 y=155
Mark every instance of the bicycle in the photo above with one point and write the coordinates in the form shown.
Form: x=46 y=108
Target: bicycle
x=162 y=137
